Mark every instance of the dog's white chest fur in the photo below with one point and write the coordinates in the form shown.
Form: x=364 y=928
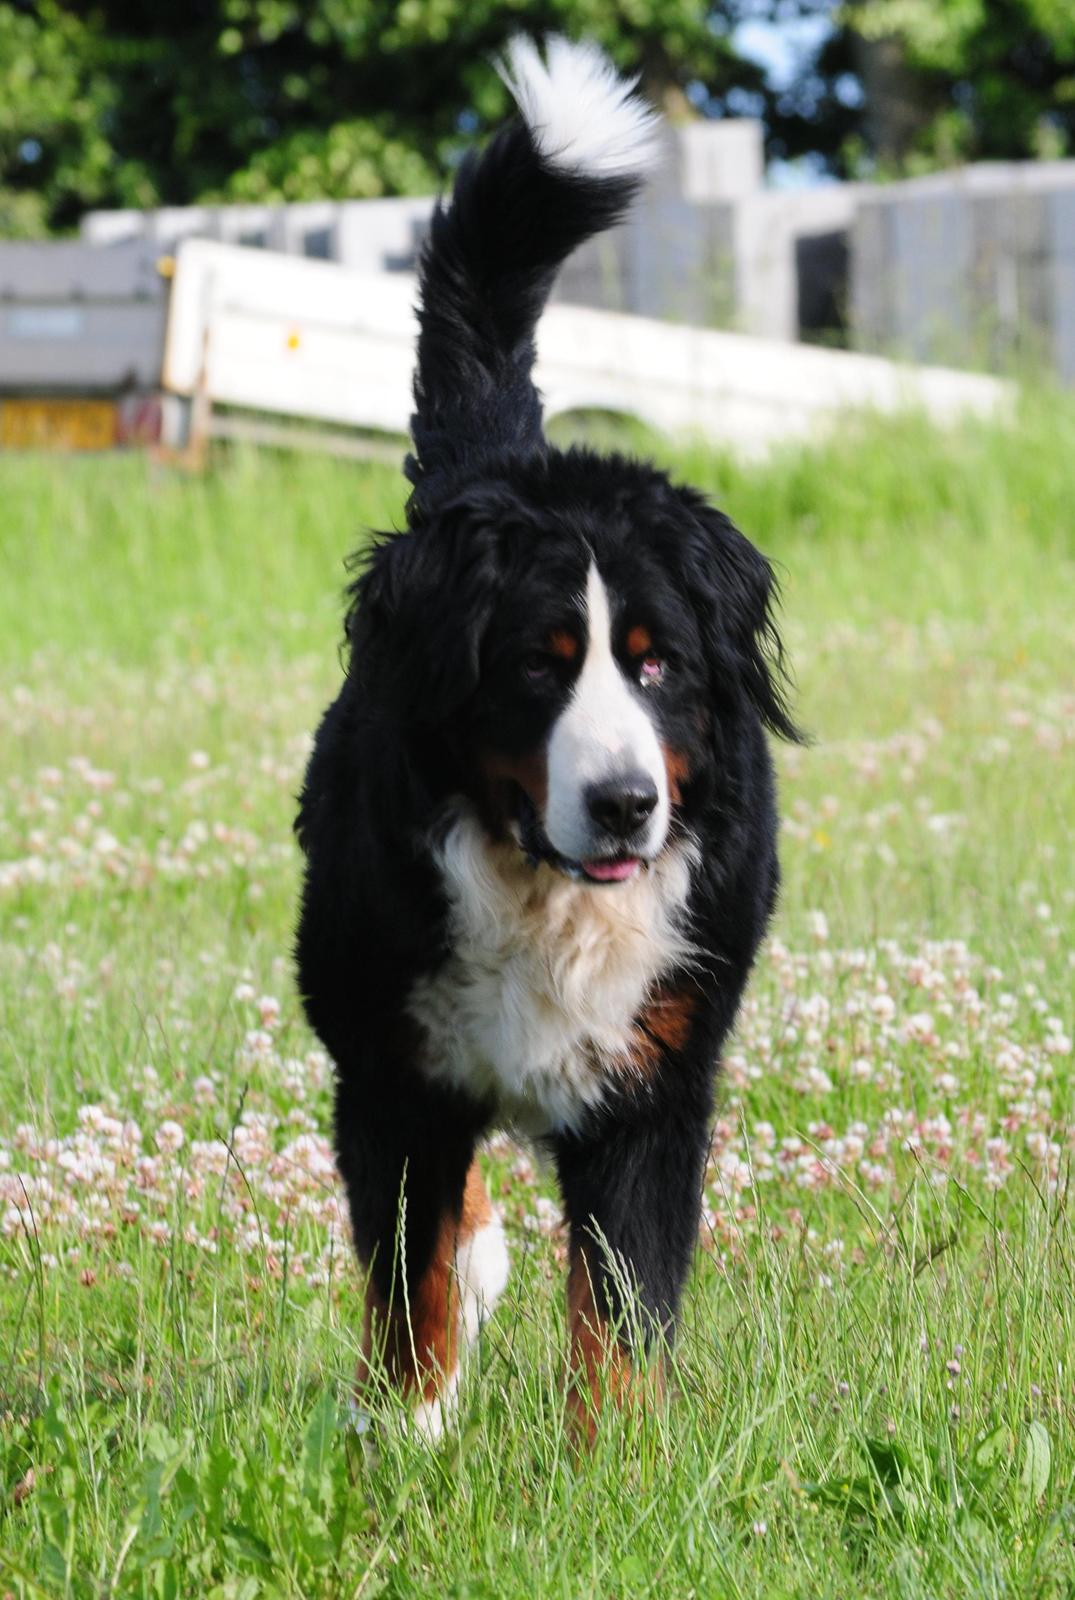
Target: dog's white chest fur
x=535 y=1006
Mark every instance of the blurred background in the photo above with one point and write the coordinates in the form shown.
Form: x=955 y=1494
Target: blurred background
x=889 y=176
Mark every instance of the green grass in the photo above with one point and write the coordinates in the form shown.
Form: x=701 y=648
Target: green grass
x=873 y=1388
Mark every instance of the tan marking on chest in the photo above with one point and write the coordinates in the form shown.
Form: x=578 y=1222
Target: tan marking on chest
x=663 y=1027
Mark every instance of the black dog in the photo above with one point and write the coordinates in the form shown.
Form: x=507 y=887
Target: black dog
x=539 y=820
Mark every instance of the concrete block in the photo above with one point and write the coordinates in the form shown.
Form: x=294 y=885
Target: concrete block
x=249 y=225
x=69 y=271
x=307 y=228
x=111 y=227
x=167 y=226
x=870 y=274
x=719 y=160
x=382 y=235
x=933 y=256
x=1061 y=215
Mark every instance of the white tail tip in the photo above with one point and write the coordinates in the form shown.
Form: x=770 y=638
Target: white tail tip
x=582 y=116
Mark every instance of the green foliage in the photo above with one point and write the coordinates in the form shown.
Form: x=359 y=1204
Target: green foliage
x=349 y=161
x=272 y=100
x=53 y=153
x=985 y=79
x=913 y=1487
x=275 y=100
x=199 y=1517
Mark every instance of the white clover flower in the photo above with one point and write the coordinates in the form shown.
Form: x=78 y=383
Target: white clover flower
x=169 y=1137
x=268 y=1010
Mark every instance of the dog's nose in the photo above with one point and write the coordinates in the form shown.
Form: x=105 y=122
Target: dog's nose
x=621 y=805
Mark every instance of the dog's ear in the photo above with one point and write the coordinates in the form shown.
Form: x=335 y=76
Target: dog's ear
x=418 y=614
x=734 y=593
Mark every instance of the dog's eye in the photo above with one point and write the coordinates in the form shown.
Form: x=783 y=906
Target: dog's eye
x=650 y=669
x=537 y=668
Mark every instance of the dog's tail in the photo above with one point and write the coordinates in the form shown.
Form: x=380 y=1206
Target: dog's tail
x=566 y=169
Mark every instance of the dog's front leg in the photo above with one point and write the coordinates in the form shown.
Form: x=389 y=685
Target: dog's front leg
x=633 y=1198
x=434 y=1252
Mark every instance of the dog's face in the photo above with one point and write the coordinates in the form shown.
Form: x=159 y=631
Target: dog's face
x=589 y=710
x=573 y=641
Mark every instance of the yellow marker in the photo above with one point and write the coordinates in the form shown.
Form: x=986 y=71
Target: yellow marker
x=293 y=340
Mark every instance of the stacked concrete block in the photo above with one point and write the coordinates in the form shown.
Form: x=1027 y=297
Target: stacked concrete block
x=973 y=267
x=77 y=318
x=380 y=235
x=674 y=258
x=1061 y=239
x=708 y=244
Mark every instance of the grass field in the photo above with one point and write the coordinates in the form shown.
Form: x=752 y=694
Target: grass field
x=874 y=1388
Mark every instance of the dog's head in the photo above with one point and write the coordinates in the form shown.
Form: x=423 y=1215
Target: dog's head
x=571 y=644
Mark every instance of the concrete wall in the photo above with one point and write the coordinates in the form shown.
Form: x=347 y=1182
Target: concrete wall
x=706 y=244
x=975 y=267
x=371 y=235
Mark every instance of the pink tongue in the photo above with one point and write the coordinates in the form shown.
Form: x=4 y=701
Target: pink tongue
x=611 y=871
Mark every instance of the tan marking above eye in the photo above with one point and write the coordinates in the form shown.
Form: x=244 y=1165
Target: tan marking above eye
x=563 y=644
x=639 y=641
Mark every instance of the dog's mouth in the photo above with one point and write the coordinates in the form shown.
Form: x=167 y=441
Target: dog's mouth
x=538 y=849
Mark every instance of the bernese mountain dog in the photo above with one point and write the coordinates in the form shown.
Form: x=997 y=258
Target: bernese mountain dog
x=539 y=819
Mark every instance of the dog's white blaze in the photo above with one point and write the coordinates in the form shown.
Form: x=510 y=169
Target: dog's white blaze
x=481 y=1265
x=583 y=117
x=604 y=732
x=535 y=1006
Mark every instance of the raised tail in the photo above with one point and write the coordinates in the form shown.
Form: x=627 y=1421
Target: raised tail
x=566 y=169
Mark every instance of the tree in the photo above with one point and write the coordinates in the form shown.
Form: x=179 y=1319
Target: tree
x=291 y=99
x=54 y=158
x=906 y=85
x=131 y=102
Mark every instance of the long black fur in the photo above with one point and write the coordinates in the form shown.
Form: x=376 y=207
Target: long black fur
x=501 y=530
x=486 y=272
